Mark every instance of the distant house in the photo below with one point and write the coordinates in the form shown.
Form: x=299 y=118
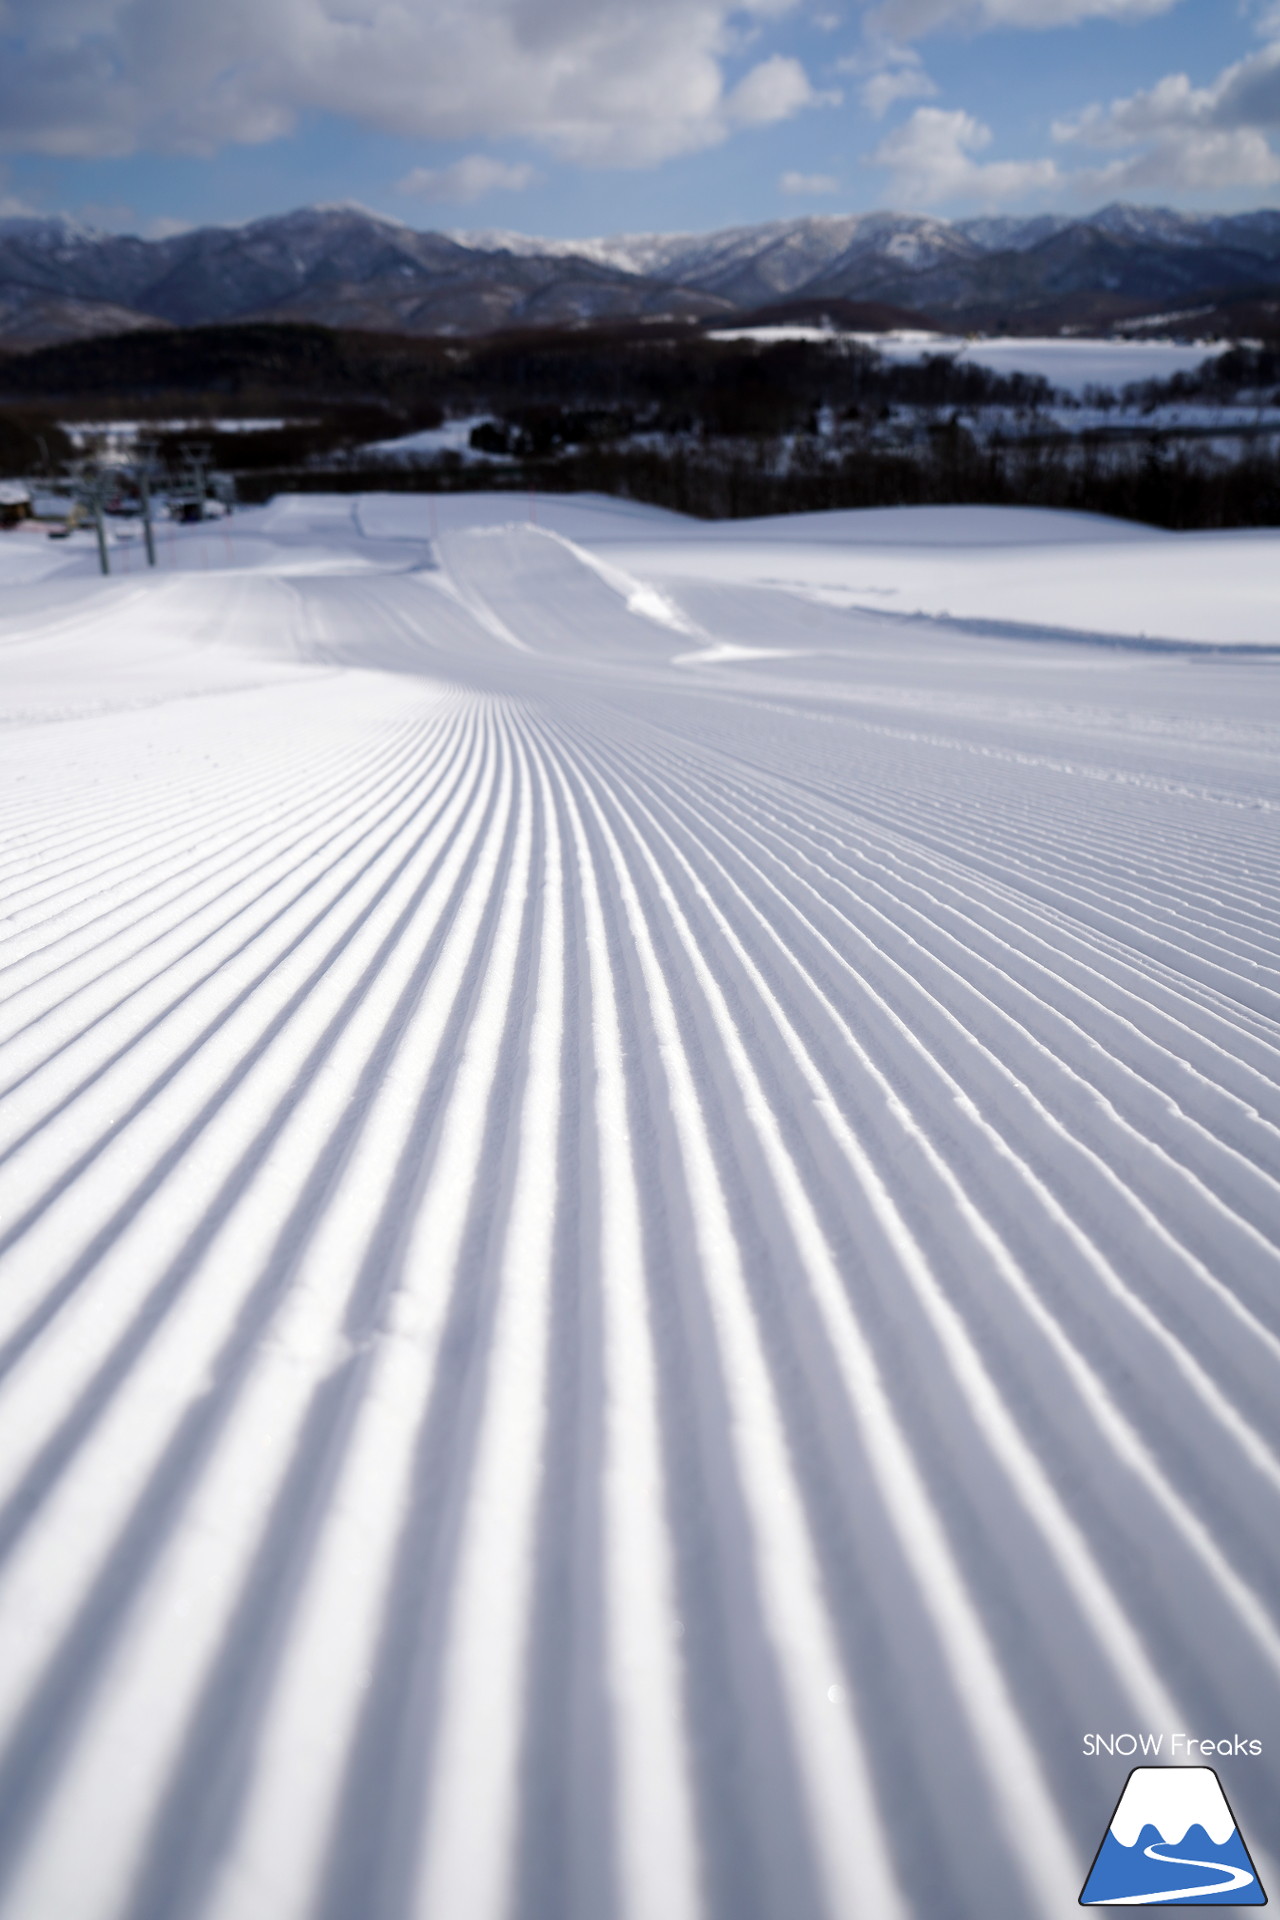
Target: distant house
x=15 y=503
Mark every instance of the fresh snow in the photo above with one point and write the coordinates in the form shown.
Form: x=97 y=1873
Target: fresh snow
x=639 y=1222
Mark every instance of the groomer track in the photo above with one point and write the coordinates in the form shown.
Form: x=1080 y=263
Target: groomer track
x=639 y=1230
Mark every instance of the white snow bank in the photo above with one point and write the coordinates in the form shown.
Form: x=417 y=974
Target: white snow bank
x=578 y=516
x=1057 y=573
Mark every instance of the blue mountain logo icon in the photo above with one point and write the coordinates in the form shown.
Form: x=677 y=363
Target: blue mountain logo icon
x=1172 y=1842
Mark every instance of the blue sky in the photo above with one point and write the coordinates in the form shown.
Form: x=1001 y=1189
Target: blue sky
x=572 y=117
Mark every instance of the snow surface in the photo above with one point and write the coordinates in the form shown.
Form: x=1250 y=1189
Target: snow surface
x=1020 y=568
x=638 y=1212
x=1068 y=364
x=454 y=436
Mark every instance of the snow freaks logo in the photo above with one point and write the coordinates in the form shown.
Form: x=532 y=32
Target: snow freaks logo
x=1172 y=1841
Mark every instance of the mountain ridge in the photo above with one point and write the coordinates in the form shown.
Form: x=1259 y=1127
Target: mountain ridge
x=344 y=266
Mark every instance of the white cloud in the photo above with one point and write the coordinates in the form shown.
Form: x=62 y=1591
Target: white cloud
x=1245 y=94
x=912 y=18
x=468 y=179
x=1171 y=138
x=904 y=80
x=774 y=90
x=617 y=82
x=1189 y=163
x=890 y=72
x=809 y=183
x=1177 y=136
x=931 y=159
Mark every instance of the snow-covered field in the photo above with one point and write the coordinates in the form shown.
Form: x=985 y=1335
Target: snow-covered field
x=640 y=1211
x=1070 y=364
x=429 y=442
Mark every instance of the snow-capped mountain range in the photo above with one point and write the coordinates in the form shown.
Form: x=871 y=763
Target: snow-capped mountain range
x=343 y=266
x=785 y=254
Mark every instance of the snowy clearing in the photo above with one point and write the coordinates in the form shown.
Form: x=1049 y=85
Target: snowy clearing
x=1073 y=364
x=429 y=442
x=638 y=1209
x=1068 y=364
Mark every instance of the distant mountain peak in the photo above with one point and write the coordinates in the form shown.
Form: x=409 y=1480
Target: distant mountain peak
x=340 y=264
x=54 y=228
x=328 y=212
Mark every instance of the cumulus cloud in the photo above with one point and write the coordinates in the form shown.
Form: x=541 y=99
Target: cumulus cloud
x=774 y=90
x=889 y=72
x=931 y=159
x=620 y=82
x=468 y=179
x=1175 y=135
x=1172 y=137
x=809 y=183
x=1190 y=162
x=1244 y=95
x=884 y=90
x=1169 y=138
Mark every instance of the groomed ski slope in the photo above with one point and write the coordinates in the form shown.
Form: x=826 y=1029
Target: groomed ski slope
x=638 y=1232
